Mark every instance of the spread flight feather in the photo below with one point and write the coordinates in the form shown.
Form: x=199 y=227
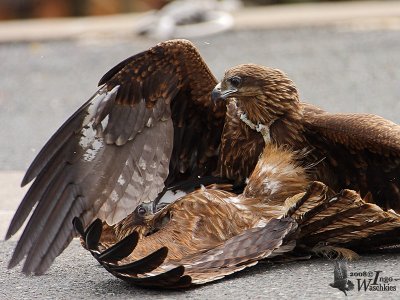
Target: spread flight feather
x=151 y=125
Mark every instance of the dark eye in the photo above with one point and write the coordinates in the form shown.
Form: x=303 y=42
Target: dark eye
x=141 y=211
x=235 y=81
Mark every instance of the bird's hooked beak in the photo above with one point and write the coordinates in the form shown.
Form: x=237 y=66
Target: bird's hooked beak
x=219 y=94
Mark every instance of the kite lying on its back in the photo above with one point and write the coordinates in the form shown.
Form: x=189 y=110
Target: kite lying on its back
x=211 y=233
x=152 y=125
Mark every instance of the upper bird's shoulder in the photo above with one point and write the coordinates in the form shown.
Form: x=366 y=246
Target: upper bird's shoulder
x=357 y=130
x=310 y=110
x=152 y=56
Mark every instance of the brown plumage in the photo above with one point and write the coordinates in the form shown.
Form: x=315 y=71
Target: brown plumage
x=150 y=126
x=207 y=214
x=211 y=233
x=353 y=151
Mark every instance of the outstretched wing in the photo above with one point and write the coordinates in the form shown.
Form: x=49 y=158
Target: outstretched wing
x=242 y=251
x=149 y=125
x=235 y=254
x=361 y=152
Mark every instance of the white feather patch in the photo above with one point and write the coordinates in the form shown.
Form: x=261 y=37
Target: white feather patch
x=170 y=196
x=98 y=102
x=260 y=223
x=237 y=202
x=271 y=186
x=142 y=177
x=121 y=180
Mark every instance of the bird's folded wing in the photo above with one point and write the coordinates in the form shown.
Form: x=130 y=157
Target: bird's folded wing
x=362 y=151
x=356 y=131
x=119 y=148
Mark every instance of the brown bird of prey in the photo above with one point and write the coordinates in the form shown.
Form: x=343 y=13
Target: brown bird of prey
x=350 y=151
x=211 y=232
x=151 y=125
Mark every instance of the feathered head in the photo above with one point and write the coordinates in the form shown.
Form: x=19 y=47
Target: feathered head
x=264 y=94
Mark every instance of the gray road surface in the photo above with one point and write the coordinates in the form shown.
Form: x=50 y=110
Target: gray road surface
x=76 y=275
x=337 y=68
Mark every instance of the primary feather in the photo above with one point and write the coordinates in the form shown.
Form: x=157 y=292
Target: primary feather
x=150 y=125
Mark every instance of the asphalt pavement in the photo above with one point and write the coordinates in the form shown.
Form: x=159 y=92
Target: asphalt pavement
x=347 y=67
x=77 y=275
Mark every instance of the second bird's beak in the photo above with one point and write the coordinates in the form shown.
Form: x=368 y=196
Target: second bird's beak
x=218 y=94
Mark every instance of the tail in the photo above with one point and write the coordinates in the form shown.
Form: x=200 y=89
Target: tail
x=337 y=225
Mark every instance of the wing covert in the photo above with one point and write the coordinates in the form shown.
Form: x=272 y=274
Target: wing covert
x=357 y=131
x=150 y=124
x=360 y=152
